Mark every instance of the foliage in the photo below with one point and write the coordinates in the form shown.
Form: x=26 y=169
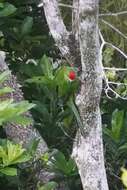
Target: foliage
x=10 y=111
x=65 y=169
x=25 y=36
x=57 y=163
x=10 y=155
x=124 y=177
x=56 y=109
x=49 y=186
x=6 y=9
x=115 y=138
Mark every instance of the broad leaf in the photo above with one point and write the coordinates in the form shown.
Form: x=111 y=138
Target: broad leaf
x=76 y=114
x=46 y=67
x=9 y=171
x=5 y=90
x=7 y=10
x=49 y=186
x=117 y=124
x=4 y=75
x=26 y=26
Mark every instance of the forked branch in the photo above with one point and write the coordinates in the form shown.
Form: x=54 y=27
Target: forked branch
x=107 y=82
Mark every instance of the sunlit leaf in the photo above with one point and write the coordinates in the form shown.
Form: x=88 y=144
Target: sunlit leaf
x=9 y=171
x=7 y=10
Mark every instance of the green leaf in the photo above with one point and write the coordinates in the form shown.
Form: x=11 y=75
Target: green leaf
x=72 y=166
x=23 y=106
x=42 y=109
x=7 y=10
x=123 y=147
x=4 y=75
x=108 y=132
x=117 y=124
x=46 y=67
x=5 y=90
x=59 y=162
x=9 y=111
x=39 y=80
x=32 y=146
x=1 y=5
x=11 y=154
x=21 y=120
x=49 y=186
x=4 y=104
x=45 y=157
x=74 y=109
x=26 y=26
x=9 y=171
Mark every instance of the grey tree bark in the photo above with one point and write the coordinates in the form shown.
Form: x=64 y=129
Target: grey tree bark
x=19 y=134
x=88 y=148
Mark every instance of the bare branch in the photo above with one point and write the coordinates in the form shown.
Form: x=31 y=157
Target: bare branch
x=114 y=28
x=107 y=87
x=64 y=40
x=75 y=20
x=115 y=69
x=66 y=5
x=111 y=45
x=56 y=25
x=116 y=48
x=117 y=83
x=61 y=5
x=102 y=46
x=113 y=14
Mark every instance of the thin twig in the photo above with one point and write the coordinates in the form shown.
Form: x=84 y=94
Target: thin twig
x=117 y=83
x=116 y=48
x=66 y=5
x=115 y=69
x=111 y=45
x=40 y=4
x=113 y=14
x=114 y=28
x=107 y=87
x=101 y=51
x=60 y=5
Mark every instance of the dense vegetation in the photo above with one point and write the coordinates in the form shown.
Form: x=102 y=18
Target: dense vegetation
x=49 y=83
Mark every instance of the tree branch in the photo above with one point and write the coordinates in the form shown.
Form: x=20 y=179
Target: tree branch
x=111 y=45
x=107 y=87
x=75 y=20
x=66 y=5
x=56 y=25
x=88 y=152
x=61 y=5
x=115 y=69
x=117 y=83
x=64 y=40
x=113 y=14
x=114 y=28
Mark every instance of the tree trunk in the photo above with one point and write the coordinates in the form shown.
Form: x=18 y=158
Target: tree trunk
x=14 y=132
x=24 y=135
x=88 y=150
